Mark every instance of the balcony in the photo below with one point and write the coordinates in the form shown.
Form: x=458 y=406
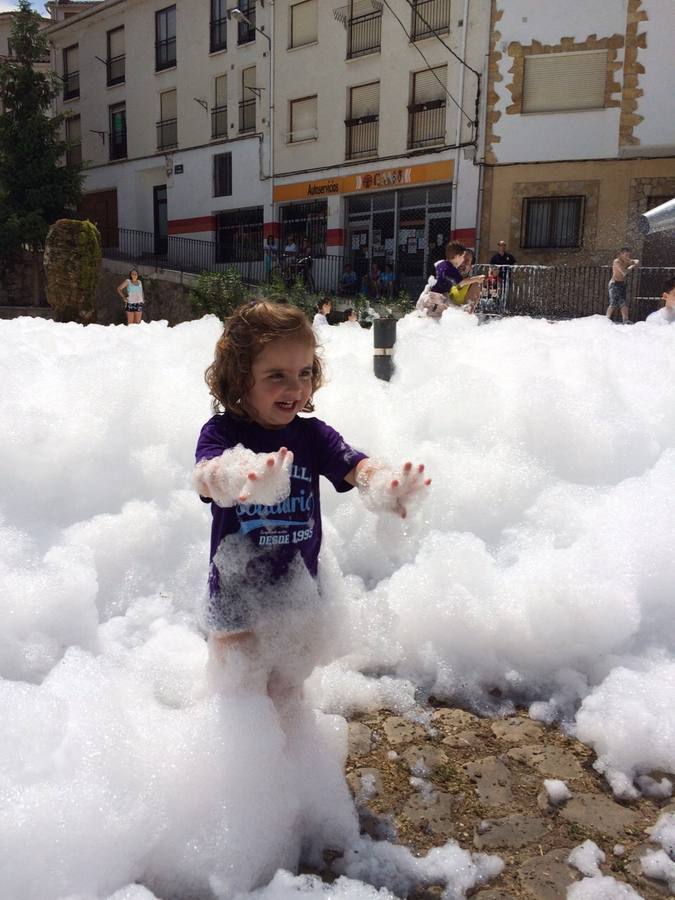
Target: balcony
x=118 y=144
x=71 y=85
x=218 y=35
x=165 y=54
x=430 y=17
x=167 y=134
x=116 y=69
x=246 y=116
x=362 y=137
x=364 y=34
x=426 y=124
x=219 y=122
x=74 y=155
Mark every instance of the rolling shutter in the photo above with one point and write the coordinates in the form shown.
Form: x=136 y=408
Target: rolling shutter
x=565 y=81
x=427 y=87
x=304 y=23
x=365 y=100
x=303 y=119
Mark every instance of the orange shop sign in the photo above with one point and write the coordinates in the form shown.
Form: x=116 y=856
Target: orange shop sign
x=380 y=179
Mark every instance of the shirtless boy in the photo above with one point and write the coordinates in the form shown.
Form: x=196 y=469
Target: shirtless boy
x=617 y=284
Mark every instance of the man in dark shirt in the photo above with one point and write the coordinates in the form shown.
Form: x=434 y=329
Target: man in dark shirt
x=502 y=257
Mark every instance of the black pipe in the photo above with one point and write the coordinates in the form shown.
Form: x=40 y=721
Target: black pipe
x=384 y=338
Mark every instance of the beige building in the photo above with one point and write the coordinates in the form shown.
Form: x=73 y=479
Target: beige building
x=579 y=132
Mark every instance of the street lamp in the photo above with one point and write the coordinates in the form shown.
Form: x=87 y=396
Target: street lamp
x=239 y=16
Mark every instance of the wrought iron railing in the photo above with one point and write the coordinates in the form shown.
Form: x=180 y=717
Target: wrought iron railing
x=426 y=124
x=362 y=137
x=165 y=53
x=219 y=122
x=167 y=134
x=71 y=85
x=246 y=116
x=116 y=69
x=430 y=17
x=118 y=144
x=364 y=34
x=218 y=35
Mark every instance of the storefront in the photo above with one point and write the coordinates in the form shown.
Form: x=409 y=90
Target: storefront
x=398 y=217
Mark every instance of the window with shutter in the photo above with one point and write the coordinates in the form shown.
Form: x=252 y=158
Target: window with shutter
x=303 y=119
x=71 y=72
x=247 y=111
x=557 y=82
x=167 y=102
x=219 y=111
x=304 y=23
x=116 y=57
x=364 y=100
x=429 y=85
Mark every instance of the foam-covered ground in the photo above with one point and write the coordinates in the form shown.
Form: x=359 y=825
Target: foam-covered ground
x=541 y=571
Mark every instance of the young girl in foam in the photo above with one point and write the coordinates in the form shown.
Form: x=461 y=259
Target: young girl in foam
x=258 y=464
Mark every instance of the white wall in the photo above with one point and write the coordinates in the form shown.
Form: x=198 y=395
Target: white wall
x=657 y=105
x=590 y=134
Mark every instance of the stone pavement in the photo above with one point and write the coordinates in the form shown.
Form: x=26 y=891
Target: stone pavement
x=480 y=782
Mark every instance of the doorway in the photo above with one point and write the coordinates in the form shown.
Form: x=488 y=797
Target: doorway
x=161 y=219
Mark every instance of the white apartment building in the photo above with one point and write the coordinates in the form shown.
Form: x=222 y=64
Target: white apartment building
x=164 y=107
x=353 y=127
x=579 y=134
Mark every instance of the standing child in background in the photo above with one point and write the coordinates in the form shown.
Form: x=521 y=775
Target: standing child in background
x=617 y=283
x=133 y=299
x=258 y=464
x=322 y=312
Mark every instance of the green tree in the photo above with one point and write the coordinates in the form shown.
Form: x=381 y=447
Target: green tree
x=36 y=186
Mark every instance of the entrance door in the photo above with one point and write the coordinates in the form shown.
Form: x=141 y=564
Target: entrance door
x=161 y=219
x=100 y=207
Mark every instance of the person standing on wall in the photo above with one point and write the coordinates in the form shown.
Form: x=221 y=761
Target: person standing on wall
x=133 y=298
x=617 y=283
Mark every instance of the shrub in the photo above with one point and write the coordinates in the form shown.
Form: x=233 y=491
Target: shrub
x=218 y=293
x=72 y=260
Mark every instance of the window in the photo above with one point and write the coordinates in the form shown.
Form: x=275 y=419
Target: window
x=430 y=17
x=363 y=121
x=218 y=38
x=219 y=111
x=303 y=125
x=552 y=222
x=167 y=127
x=71 y=72
x=364 y=29
x=74 y=141
x=222 y=175
x=558 y=82
x=309 y=221
x=115 y=62
x=165 y=38
x=118 y=131
x=246 y=30
x=304 y=23
x=239 y=234
x=426 y=113
x=247 y=104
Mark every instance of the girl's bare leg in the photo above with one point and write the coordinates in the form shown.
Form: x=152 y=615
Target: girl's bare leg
x=234 y=663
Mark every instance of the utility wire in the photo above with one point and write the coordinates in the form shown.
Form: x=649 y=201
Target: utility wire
x=430 y=67
x=433 y=31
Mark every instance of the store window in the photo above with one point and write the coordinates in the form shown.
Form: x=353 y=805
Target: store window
x=239 y=235
x=305 y=221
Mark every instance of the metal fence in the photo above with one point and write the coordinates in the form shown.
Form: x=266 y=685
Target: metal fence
x=552 y=292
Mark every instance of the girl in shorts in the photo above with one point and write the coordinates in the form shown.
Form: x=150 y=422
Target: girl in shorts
x=133 y=299
x=258 y=466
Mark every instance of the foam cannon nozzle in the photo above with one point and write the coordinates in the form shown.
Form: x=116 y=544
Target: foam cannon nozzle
x=661 y=218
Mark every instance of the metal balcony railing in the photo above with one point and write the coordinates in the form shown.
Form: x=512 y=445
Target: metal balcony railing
x=116 y=69
x=165 y=54
x=430 y=17
x=219 y=122
x=364 y=34
x=118 y=144
x=426 y=124
x=246 y=116
x=167 y=134
x=218 y=35
x=362 y=137
x=71 y=85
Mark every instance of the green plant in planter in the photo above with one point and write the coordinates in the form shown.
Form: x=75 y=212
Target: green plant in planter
x=72 y=261
x=402 y=304
x=218 y=293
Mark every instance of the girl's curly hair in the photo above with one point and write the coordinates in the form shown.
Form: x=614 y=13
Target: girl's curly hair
x=250 y=327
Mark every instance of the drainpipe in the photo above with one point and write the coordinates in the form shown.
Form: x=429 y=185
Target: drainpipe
x=458 y=129
x=480 y=151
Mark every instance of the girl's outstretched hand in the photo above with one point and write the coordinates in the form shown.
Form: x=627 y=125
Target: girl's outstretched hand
x=272 y=479
x=240 y=476
x=385 y=488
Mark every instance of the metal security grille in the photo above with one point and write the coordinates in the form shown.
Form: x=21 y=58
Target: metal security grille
x=302 y=221
x=240 y=234
x=550 y=222
x=430 y=17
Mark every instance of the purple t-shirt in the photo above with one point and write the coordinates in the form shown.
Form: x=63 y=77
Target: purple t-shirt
x=446 y=276
x=294 y=524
